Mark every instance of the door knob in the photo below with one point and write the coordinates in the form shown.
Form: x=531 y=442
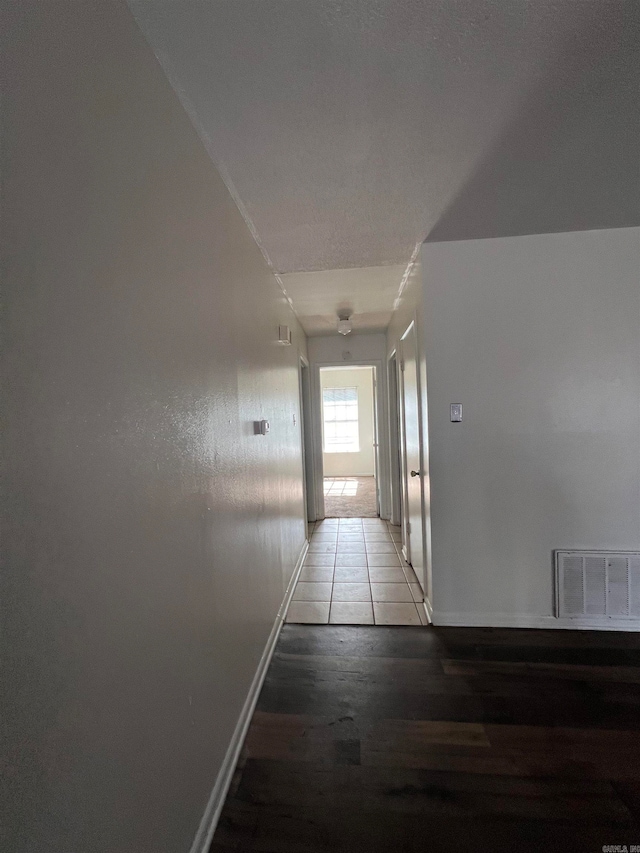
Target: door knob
x=415 y=473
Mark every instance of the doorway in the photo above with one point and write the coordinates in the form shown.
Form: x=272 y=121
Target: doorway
x=306 y=442
x=411 y=454
x=349 y=441
x=353 y=572
x=395 y=475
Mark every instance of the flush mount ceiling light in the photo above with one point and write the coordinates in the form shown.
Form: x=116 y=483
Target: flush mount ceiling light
x=344 y=325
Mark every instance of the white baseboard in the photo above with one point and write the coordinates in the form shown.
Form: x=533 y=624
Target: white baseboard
x=286 y=601
x=218 y=795
x=428 y=608
x=528 y=620
x=422 y=605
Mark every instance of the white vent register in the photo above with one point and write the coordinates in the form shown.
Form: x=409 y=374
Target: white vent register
x=598 y=584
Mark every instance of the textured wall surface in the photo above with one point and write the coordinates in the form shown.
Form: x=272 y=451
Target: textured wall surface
x=148 y=534
x=538 y=338
x=341 y=349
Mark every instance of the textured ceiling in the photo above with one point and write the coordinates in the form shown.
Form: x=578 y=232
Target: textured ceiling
x=364 y=293
x=350 y=131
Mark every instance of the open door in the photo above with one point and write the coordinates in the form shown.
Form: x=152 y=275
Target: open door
x=412 y=452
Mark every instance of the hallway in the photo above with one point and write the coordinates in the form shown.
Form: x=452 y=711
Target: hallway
x=265 y=263
x=444 y=739
x=354 y=574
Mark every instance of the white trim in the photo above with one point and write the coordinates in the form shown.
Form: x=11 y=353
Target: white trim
x=306 y=437
x=292 y=583
x=316 y=442
x=393 y=429
x=422 y=458
x=428 y=608
x=204 y=835
x=530 y=620
x=382 y=460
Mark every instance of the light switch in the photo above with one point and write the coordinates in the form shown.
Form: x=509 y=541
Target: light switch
x=456 y=413
x=261 y=427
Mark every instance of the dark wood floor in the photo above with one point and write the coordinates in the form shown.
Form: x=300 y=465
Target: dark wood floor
x=441 y=739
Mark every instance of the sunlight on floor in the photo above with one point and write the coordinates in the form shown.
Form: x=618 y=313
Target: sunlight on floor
x=341 y=488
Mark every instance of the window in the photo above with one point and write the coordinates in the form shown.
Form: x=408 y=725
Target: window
x=340 y=416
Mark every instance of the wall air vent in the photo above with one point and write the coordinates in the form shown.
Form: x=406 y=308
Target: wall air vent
x=598 y=585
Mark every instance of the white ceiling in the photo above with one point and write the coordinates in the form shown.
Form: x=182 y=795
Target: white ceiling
x=351 y=130
x=364 y=293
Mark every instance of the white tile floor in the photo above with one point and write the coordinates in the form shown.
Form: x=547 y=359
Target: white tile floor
x=354 y=574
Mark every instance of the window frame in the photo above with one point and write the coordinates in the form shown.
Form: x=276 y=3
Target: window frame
x=355 y=448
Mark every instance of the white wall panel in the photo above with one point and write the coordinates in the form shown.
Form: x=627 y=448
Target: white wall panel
x=538 y=338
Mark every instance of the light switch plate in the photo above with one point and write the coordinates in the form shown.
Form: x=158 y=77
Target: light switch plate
x=284 y=335
x=456 y=413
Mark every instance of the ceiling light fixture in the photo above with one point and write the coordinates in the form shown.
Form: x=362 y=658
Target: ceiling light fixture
x=344 y=325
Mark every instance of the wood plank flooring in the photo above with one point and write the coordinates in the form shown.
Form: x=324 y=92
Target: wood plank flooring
x=440 y=739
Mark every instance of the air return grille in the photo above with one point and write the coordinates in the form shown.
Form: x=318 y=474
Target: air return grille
x=598 y=584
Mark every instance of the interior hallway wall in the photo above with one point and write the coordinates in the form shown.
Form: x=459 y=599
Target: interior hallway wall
x=362 y=463
x=332 y=350
x=148 y=534
x=537 y=337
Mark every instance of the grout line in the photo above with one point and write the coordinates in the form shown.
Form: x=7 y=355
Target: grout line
x=333 y=581
x=350 y=527
x=373 y=612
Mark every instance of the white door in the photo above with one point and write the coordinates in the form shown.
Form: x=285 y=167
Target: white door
x=412 y=451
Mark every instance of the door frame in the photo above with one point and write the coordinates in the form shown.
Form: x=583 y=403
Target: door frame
x=402 y=453
x=306 y=439
x=413 y=319
x=395 y=458
x=406 y=542
x=380 y=415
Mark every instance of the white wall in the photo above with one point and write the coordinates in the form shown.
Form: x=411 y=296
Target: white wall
x=361 y=464
x=342 y=349
x=538 y=337
x=367 y=349
x=148 y=534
